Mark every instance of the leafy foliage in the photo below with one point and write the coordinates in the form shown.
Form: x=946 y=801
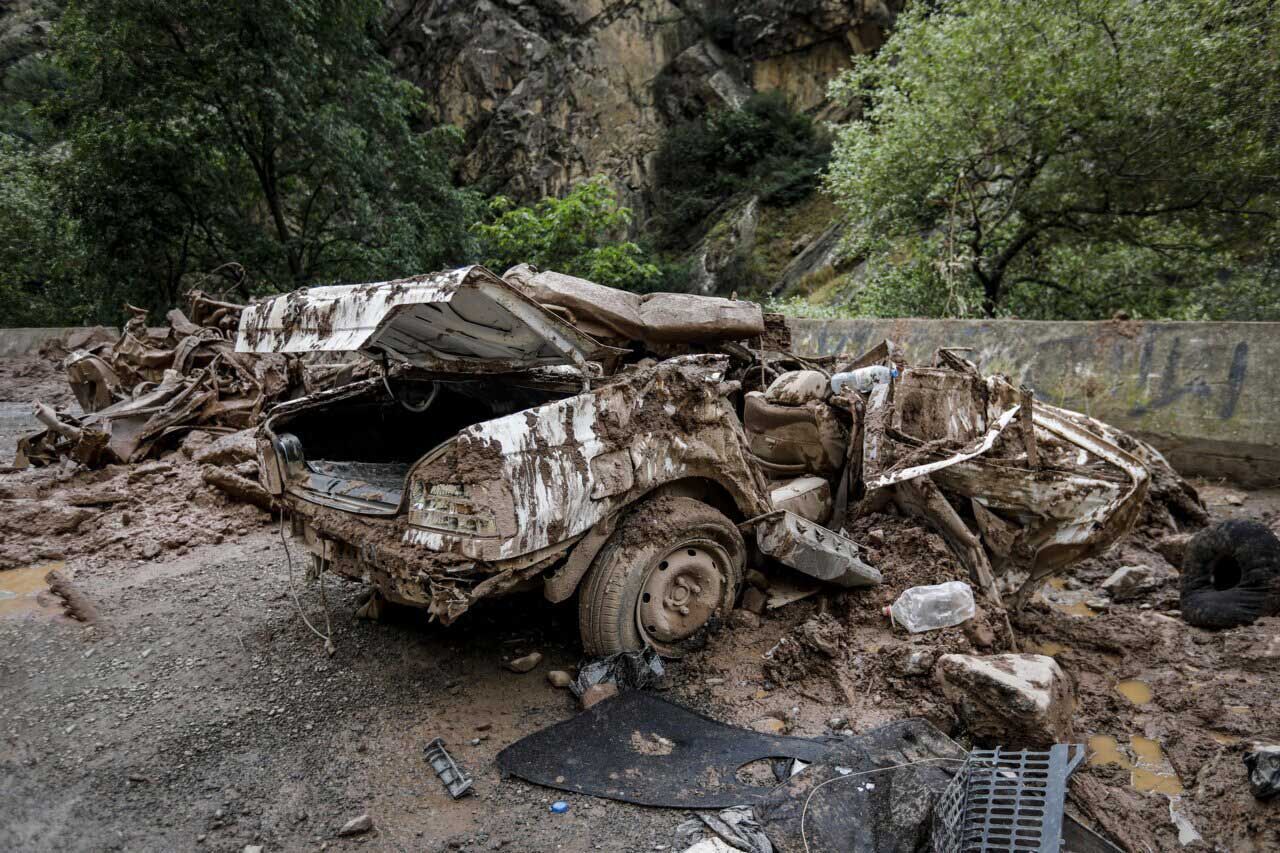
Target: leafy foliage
x=573 y=235
x=764 y=148
x=272 y=134
x=1067 y=158
x=42 y=262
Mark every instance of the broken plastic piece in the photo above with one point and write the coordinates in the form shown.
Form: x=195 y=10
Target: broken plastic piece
x=1007 y=800
x=815 y=551
x=456 y=782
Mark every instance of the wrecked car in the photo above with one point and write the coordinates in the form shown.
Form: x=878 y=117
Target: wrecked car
x=539 y=431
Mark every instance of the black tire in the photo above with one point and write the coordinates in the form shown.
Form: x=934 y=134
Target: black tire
x=645 y=551
x=1231 y=575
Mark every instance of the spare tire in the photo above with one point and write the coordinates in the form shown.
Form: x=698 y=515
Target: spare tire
x=1231 y=575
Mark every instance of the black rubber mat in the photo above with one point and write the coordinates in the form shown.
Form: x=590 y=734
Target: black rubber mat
x=639 y=748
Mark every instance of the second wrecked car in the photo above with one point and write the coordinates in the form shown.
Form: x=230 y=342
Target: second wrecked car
x=538 y=430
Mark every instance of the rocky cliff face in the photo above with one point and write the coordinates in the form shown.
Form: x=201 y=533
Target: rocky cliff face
x=551 y=91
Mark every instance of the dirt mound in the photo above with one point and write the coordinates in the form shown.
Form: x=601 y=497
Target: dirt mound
x=118 y=512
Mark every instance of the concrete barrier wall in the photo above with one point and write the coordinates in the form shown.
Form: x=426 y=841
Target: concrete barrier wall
x=15 y=342
x=1206 y=394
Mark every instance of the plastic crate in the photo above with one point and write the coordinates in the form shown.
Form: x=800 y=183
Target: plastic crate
x=1006 y=801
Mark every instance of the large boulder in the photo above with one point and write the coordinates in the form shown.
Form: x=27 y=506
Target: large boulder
x=1013 y=700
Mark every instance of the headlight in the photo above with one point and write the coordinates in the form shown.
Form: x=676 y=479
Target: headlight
x=447 y=507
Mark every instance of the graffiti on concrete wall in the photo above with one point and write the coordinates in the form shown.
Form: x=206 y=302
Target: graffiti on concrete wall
x=1174 y=382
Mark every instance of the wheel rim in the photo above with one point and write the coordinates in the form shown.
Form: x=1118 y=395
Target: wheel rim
x=683 y=590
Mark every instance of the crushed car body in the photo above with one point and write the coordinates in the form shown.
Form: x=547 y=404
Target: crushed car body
x=539 y=430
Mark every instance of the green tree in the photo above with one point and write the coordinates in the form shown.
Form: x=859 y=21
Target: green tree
x=42 y=258
x=764 y=147
x=575 y=235
x=1067 y=158
x=272 y=134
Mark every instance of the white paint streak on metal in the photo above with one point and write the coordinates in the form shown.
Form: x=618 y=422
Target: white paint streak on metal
x=987 y=442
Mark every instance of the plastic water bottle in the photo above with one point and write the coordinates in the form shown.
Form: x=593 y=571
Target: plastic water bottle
x=863 y=378
x=927 y=608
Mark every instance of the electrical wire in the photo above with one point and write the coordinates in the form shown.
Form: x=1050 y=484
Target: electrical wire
x=324 y=603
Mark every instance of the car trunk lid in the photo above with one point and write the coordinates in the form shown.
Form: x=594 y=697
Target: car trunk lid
x=466 y=319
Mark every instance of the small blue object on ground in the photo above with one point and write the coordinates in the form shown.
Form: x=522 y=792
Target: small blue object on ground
x=559 y=807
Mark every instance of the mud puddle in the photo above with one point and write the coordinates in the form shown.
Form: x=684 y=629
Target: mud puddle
x=1149 y=770
x=20 y=589
x=1137 y=692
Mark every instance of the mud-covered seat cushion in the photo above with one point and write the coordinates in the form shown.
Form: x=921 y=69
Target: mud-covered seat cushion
x=805 y=438
x=797 y=387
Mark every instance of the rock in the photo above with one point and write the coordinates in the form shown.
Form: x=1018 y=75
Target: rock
x=918 y=663
x=237 y=487
x=1127 y=582
x=770 y=725
x=1174 y=548
x=979 y=633
x=754 y=601
x=89 y=337
x=875 y=538
x=597 y=693
x=194 y=442
x=357 y=825
x=744 y=619
x=1015 y=700
x=559 y=678
x=720 y=261
x=32 y=518
x=550 y=91
x=817 y=260
x=1263 y=763
x=525 y=663
x=252 y=848
x=230 y=449
x=102 y=494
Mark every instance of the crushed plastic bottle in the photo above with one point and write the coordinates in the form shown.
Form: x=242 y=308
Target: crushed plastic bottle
x=863 y=379
x=928 y=608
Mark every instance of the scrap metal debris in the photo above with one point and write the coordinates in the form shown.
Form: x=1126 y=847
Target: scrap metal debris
x=142 y=392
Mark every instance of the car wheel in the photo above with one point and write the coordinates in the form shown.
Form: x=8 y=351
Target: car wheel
x=667 y=575
x=1231 y=575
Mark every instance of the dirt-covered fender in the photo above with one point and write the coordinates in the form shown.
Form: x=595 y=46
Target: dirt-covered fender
x=545 y=475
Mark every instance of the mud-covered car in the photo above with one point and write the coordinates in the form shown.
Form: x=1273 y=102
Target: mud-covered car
x=540 y=431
